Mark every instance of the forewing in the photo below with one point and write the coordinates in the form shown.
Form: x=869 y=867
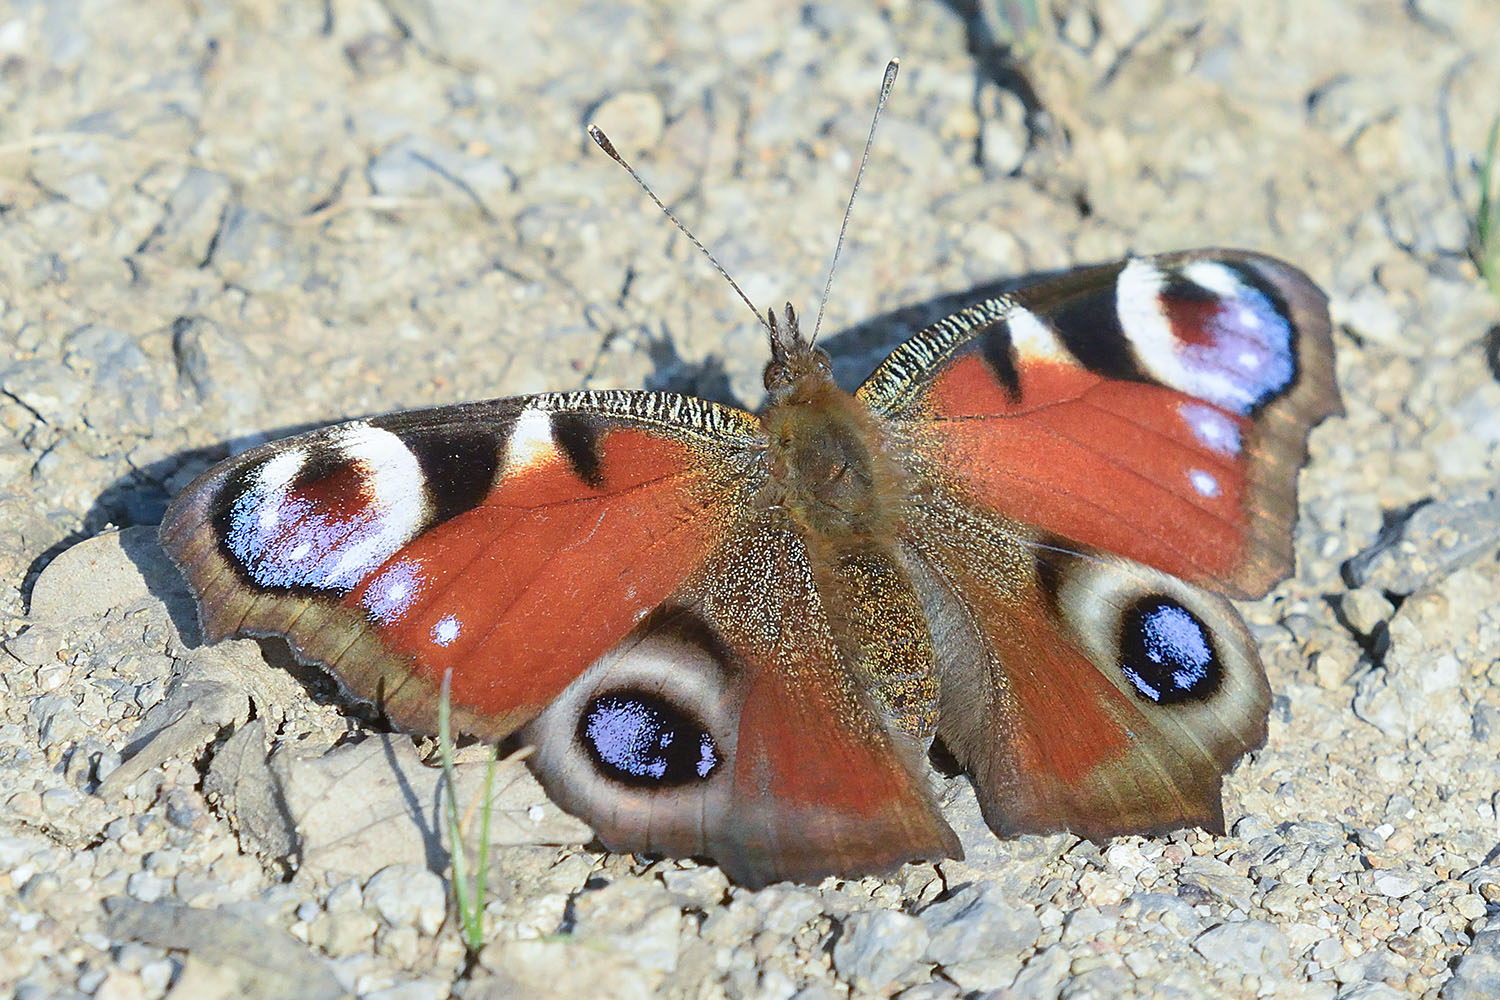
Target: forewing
x=1156 y=408
x=726 y=726
x=513 y=541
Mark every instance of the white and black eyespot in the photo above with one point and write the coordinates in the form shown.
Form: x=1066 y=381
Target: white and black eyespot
x=1162 y=641
x=655 y=717
x=1166 y=653
x=637 y=738
x=324 y=515
x=1208 y=328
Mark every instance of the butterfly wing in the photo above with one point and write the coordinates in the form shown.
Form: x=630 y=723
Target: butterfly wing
x=1074 y=450
x=513 y=541
x=594 y=567
x=1156 y=408
x=727 y=726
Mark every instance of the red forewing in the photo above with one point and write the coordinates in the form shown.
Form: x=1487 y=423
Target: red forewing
x=513 y=542
x=1157 y=408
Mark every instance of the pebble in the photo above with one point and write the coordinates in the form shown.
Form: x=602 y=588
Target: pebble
x=878 y=947
x=1255 y=947
x=1218 y=882
x=1477 y=975
x=1432 y=540
x=408 y=896
x=146 y=887
x=978 y=920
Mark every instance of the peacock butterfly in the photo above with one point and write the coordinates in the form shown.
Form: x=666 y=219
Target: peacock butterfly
x=737 y=636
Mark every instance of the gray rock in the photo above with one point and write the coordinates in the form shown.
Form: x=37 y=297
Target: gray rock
x=1041 y=977
x=1173 y=913
x=240 y=784
x=55 y=719
x=47 y=389
x=37 y=645
x=215 y=368
x=363 y=806
x=1255 y=947
x=112 y=570
x=1439 y=629
x=1477 y=975
x=877 y=947
x=190 y=224
x=408 y=896
x=1429 y=542
x=258 y=252
x=1218 y=882
x=263 y=962
x=1104 y=982
x=978 y=921
x=1365 y=609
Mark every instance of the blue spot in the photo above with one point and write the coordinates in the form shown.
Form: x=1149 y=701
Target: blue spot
x=640 y=739
x=391 y=594
x=1166 y=653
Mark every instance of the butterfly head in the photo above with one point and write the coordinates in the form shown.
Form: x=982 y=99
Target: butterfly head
x=796 y=365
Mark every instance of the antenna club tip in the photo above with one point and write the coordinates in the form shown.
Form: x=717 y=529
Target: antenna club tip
x=597 y=134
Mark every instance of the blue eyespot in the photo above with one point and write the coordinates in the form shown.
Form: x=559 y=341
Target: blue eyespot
x=1167 y=654
x=640 y=739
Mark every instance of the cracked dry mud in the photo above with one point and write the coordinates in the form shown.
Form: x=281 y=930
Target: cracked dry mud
x=219 y=222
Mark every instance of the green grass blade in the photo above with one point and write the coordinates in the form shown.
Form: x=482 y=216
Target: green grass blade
x=1486 y=249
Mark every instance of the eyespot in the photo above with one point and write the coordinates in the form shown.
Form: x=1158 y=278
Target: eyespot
x=639 y=739
x=1166 y=653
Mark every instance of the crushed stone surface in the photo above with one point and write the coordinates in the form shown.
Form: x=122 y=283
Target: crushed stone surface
x=223 y=222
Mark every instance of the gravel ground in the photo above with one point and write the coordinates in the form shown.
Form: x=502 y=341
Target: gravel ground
x=222 y=221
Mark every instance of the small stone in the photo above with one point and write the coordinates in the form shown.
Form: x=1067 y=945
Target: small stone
x=345 y=897
x=407 y=896
x=146 y=887
x=36 y=646
x=1395 y=884
x=1218 y=881
x=157 y=976
x=119 y=985
x=1250 y=946
x=401 y=945
x=930 y=991
x=877 y=947
x=1369 y=313
x=984 y=972
x=1042 y=976
x=1477 y=975
x=1470 y=906
x=341 y=934
x=978 y=920
x=1365 y=609
x=40 y=887
x=1431 y=541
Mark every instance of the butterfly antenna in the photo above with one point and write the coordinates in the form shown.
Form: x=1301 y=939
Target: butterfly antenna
x=602 y=141
x=889 y=81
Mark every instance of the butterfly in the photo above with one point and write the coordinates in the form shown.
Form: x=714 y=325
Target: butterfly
x=738 y=635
